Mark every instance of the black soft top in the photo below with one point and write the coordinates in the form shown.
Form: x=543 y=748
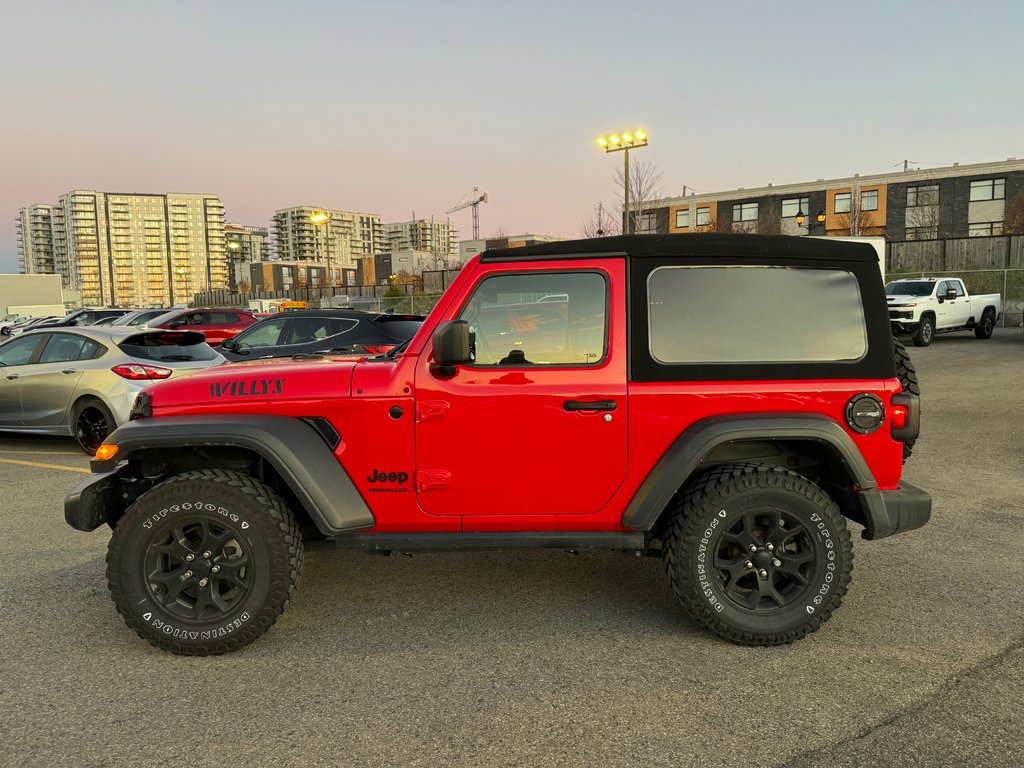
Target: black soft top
x=693 y=245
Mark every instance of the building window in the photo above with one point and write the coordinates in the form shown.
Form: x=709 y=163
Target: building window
x=682 y=218
x=795 y=205
x=922 y=195
x=985 y=229
x=703 y=217
x=988 y=189
x=869 y=200
x=744 y=212
x=842 y=202
x=922 y=233
x=647 y=224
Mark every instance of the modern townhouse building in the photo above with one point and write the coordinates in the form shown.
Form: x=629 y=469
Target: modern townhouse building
x=133 y=249
x=935 y=203
x=328 y=236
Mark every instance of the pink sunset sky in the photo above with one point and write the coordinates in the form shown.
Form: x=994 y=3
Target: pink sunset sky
x=395 y=107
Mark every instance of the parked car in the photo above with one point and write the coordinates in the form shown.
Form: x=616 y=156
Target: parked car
x=82 y=381
x=313 y=331
x=924 y=306
x=216 y=324
x=80 y=317
x=22 y=324
x=138 y=317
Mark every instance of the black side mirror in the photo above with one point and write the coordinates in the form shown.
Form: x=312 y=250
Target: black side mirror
x=950 y=294
x=229 y=343
x=451 y=347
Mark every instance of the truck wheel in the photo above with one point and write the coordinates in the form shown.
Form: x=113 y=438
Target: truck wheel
x=907 y=375
x=205 y=562
x=983 y=330
x=925 y=332
x=758 y=554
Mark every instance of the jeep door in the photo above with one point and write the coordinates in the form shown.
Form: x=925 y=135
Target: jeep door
x=536 y=424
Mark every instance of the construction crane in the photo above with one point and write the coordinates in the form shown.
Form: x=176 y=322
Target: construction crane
x=475 y=198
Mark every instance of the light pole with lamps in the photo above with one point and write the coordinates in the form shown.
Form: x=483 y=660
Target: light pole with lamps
x=233 y=248
x=614 y=144
x=800 y=219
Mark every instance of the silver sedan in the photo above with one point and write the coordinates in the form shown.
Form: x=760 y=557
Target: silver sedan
x=82 y=381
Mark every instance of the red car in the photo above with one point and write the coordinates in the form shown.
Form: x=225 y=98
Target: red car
x=216 y=324
x=731 y=404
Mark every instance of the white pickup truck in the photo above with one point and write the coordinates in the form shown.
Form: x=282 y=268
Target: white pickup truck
x=925 y=306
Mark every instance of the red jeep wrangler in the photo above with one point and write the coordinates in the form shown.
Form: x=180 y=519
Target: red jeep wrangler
x=725 y=402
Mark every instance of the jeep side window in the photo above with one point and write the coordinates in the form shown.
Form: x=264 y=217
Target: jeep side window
x=545 y=318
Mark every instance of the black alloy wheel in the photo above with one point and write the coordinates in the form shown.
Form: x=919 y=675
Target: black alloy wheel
x=204 y=562
x=757 y=554
x=763 y=561
x=198 y=569
x=983 y=330
x=93 y=423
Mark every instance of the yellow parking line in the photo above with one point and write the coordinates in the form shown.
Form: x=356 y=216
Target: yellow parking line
x=44 y=453
x=45 y=466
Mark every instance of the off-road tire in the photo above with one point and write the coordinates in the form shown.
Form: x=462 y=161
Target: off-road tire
x=708 y=522
x=91 y=423
x=983 y=330
x=907 y=375
x=255 y=544
x=925 y=331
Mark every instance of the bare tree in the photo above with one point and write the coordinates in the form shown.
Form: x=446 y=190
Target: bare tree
x=857 y=222
x=1013 y=217
x=499 y=233
x=769 y=219
x=644 y=186
x=244 y=286
x=601 y=223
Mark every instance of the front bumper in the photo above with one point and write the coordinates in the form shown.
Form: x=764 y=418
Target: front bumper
x=892 y=512
x=92 y=503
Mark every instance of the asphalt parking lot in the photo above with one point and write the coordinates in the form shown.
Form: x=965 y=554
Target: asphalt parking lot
x=545 y=659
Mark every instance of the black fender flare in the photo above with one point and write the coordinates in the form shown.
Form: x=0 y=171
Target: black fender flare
x=686 y=454
x=291 y=446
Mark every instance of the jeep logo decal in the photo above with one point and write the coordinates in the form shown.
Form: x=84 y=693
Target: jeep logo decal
x=388 y=477
x=251 y=388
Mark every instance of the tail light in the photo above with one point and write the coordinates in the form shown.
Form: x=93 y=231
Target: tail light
x=905 y=419
x=377 y=349
x=141 y=372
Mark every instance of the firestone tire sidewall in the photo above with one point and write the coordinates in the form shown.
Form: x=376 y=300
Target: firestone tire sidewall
x=828 y=575
x=149 y=521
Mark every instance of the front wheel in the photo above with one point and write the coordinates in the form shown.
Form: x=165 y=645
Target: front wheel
x=758 y=554
x=925 y=332
x=205 y=562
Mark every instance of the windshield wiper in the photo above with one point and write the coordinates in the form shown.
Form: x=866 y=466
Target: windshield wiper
x=396 y=351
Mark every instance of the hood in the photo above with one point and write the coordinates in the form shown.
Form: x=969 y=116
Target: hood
x=263 y=385
x=905 y=297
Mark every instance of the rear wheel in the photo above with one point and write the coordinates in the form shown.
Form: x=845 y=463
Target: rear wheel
x=92 y=422
x=925 y=332
x=907 y=375
x=983 y=330
x=758 y=554
x=205 y=562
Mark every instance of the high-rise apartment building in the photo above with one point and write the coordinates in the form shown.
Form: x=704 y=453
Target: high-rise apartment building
x=35 y=239
x=437 y=237
x=134 y=249
x=311 y=233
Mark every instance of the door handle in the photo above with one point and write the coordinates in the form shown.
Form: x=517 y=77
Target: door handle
x=70 y=370
x=12 y=376
x=589 y=405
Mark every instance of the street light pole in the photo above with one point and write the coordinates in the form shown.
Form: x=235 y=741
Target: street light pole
x=614 y=144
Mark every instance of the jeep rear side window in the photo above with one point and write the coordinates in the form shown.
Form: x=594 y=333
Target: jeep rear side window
x=542 y=318
x=748 y=315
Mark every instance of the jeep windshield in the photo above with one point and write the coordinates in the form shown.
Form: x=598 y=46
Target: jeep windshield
x=910 y=288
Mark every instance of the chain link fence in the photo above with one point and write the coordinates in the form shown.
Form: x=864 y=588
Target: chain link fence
x=985 y=264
